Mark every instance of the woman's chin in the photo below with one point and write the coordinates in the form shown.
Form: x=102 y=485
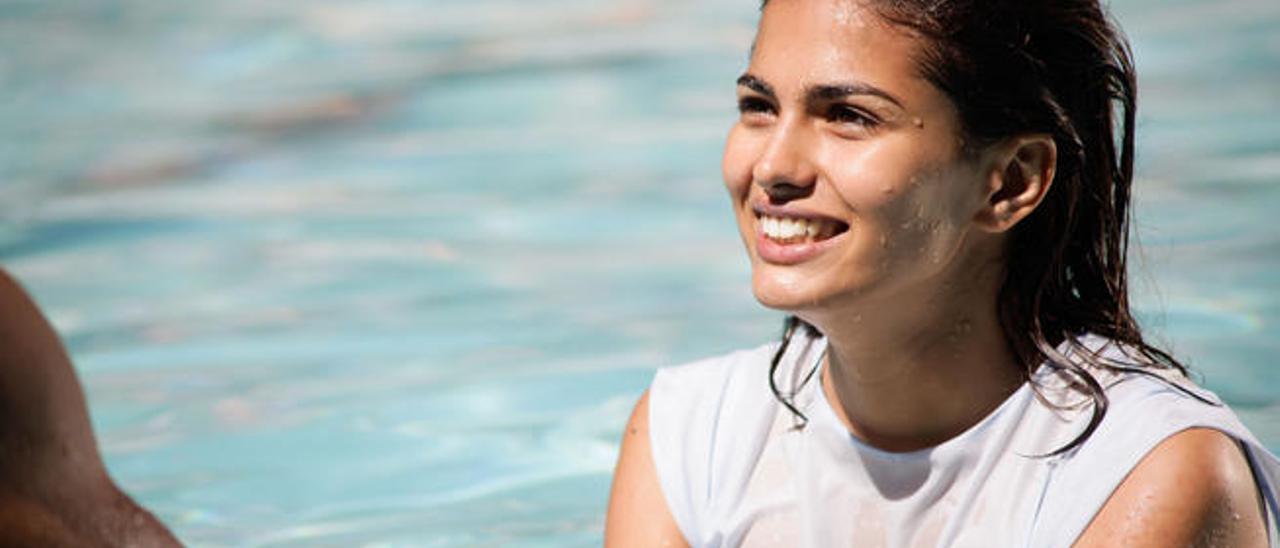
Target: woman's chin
x=785 y=293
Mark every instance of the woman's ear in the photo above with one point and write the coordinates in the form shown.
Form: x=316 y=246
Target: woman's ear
x=1020 y=173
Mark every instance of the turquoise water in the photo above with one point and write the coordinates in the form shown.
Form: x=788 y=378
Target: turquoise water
x=392 y=273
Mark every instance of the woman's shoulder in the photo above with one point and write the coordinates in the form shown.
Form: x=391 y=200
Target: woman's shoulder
x=1145 y=406
x=1131 y=382
x=711 y=377
x=727 y=394
x=692 y=402
x=708 y=420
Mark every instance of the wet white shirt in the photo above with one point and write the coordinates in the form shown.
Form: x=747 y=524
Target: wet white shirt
x=735 y=471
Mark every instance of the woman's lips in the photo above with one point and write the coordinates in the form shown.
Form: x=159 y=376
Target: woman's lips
x=786 y=237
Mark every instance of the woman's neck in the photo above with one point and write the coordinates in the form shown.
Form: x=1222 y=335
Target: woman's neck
x=915 y=376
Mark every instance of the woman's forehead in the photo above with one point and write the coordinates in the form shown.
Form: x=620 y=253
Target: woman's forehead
x=805 y=42
x=831 y=16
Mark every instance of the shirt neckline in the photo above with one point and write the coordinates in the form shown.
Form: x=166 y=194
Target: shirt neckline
x=825 y=418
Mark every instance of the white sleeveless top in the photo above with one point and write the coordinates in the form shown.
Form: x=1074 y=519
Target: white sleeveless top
x=735 y=472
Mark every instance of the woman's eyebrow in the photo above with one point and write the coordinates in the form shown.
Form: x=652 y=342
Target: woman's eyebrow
x=820 y=93
x=757 y=85
x=832 y=92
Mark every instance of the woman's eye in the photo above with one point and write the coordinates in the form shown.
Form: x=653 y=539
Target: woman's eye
x=754 y=105
x=845 y=114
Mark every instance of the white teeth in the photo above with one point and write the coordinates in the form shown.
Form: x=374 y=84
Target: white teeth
x=791 y=228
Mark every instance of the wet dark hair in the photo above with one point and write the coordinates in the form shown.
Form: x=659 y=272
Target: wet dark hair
x=1063 y=68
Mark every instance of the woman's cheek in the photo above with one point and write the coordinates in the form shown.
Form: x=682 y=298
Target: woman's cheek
x=861 y=177
x=738 y=161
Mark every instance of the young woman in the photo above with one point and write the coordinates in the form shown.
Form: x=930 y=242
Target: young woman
x=938 y=193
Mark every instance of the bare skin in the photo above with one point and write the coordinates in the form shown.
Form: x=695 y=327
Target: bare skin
x=638 y=516
x=54 y=488
x=1194 y=489
x=837 y=124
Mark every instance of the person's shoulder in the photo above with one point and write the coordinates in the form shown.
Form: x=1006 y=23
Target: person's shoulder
x=727 y=363
x=1130 y=487
x=1131 y=382
x=691 y=397
x=706 y=421
x=712 y=373
x=1147 y=403
x=1193 y=486
x=1157 y=424
x=1127 y=369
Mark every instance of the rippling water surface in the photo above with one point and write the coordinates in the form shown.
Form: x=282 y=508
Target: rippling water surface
x=388 y=272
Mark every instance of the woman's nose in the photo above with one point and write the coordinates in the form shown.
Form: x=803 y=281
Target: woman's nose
x=785 y=169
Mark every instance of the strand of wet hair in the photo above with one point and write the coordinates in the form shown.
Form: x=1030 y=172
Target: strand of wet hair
x=790 y=326
x=788 y=331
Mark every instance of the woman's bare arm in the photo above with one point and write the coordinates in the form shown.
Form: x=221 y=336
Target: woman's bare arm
x=638 y=514
x=1195 y=489
x=54 y=487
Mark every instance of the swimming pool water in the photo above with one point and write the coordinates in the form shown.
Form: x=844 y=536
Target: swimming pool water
x=392 y=273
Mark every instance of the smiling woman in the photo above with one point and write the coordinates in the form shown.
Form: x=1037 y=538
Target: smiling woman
x=938 y=194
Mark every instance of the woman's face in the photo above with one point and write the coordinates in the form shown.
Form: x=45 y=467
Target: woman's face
x=845 y=167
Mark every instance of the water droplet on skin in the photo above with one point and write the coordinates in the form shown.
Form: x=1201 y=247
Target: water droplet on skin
x=917 y=122
x=887 y=190
x=884 y=240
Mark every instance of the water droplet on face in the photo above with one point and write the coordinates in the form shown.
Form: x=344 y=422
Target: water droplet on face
x=917 y=122
x=887 y=190
x=884 y=240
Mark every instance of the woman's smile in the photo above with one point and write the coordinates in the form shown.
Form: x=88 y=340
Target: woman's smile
x=787 y=236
